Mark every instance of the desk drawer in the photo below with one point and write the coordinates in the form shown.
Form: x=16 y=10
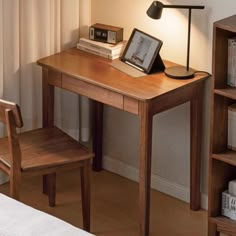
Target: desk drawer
x=131 y=105
x=92 y=91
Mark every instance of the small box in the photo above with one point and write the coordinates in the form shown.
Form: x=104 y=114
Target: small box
x=228 y=206
x=106 y=33
x=232 y=127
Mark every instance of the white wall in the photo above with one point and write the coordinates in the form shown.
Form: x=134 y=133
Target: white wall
x=171 y=128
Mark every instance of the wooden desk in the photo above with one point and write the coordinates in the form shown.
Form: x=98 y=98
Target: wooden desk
x=94 y=77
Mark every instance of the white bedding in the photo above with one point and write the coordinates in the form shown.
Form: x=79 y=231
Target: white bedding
x=18 y=219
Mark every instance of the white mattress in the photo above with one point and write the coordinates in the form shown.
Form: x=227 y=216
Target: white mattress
x=18 y=219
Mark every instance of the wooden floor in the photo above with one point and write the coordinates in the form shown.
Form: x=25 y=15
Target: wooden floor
x=114 y=206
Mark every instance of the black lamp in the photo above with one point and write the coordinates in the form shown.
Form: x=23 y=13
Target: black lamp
x=155 y=11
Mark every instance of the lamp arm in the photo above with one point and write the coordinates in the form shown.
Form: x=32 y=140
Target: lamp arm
x=183 y=6
x=188 y=40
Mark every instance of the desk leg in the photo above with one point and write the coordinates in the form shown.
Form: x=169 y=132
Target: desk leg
x=195 y=159
x=97 y=135
x=145 y=167
x=48 y=101
x=48 y=112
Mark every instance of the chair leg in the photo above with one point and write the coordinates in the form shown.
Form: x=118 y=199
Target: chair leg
x=15 y=182
x=85 y=194
x=51 y=189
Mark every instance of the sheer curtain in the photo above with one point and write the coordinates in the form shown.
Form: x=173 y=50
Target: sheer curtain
x=32 y=29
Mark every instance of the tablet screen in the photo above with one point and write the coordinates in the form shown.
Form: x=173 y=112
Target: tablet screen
x=141 y=50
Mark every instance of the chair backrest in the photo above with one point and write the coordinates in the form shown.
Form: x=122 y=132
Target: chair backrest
x=10 y=115
x=9 y=106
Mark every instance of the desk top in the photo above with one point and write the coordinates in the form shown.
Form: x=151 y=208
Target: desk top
x=98 y=70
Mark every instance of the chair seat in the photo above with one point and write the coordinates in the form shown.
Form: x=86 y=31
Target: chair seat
x=45 y=148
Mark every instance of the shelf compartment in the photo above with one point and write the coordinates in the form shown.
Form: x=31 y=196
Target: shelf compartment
x=228 y=156
x=222 y=161
x=220 y=123
x=220 y=173
x=225 y=225
x=228 y=92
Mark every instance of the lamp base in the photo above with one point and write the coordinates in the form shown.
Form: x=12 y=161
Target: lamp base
x=179 y=72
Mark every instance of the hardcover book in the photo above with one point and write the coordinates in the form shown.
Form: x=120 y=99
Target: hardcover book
x=106 y=48
x=98 y=52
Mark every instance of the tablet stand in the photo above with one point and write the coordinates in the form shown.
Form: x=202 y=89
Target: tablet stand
x=157 y=65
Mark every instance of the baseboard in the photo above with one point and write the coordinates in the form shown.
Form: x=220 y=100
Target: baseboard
x=158 y=183
x=130 y=172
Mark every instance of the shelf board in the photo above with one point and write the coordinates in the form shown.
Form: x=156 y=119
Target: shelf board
x=229 y=92
x=228 y=156
x=227 y=23
x=225 y=225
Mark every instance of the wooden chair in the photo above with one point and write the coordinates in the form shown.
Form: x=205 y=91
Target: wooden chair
x=44 y=151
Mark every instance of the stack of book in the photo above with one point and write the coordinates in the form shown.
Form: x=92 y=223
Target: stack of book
x=106 y=50
x=231 y=77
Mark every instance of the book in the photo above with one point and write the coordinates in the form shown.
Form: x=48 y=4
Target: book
x=106 y=48
x=231 y=73
x=231 y=134
x=98 y=53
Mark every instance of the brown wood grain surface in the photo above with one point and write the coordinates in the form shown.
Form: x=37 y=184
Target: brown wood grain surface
x=99 y=71
x=94 y=77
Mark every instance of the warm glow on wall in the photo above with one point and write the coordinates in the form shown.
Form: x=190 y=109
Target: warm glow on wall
x=171 y=28
x=155 y=12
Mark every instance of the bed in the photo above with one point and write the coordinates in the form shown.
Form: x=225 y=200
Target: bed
x=18 y=219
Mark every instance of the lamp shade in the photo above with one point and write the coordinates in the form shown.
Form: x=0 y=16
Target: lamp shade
x=155 y=10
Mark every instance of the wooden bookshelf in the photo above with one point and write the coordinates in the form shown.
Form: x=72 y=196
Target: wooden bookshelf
x=222 y=161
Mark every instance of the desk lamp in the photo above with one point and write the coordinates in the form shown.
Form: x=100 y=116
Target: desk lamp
x=155 y=11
